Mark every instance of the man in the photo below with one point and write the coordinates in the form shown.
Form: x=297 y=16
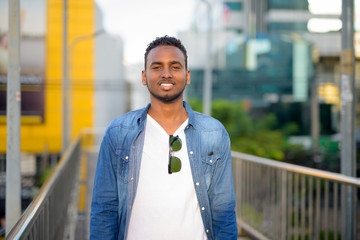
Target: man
x=164 y=172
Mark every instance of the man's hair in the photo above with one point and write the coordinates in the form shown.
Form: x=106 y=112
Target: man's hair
x=166 y=41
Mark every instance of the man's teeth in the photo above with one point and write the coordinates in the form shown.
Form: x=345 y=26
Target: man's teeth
x=166 y=84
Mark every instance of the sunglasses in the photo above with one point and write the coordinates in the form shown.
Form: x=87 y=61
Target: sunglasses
x=174 y=162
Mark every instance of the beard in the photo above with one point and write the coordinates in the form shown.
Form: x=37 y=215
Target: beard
x=167 y=98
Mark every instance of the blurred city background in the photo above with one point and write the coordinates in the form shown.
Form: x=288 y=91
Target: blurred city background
x=269 y=70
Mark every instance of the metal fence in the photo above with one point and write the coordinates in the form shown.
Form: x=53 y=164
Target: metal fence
x=276 y=200
x=46 y=216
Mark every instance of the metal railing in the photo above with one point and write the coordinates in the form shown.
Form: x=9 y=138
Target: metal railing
x=276 y=200
x=46 y=216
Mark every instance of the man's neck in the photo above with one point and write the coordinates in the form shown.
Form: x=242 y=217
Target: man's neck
x=170 y=116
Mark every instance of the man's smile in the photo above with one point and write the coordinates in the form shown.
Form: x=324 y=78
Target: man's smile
x=166 y=86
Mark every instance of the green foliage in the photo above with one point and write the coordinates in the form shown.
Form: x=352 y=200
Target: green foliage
x=260 y=137
x=46 y=174
x=291 y=128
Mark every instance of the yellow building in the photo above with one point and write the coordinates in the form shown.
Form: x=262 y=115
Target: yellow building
x=44 y=134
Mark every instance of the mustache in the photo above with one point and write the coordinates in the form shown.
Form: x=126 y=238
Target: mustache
x=166 y=81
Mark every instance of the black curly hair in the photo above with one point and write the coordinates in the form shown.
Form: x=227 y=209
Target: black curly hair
x=166 y=41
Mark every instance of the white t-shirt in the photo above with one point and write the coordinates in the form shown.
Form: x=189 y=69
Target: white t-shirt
x=165 y=205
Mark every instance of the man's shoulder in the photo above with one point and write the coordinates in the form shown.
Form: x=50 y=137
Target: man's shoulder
x=206 y=122
x=127 y=120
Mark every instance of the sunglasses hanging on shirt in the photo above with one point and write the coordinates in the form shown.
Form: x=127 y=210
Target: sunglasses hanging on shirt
x=174 y=162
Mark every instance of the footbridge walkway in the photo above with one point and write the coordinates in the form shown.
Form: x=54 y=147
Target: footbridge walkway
x=275 y=200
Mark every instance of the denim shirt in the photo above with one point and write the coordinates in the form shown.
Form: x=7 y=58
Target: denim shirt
x=118 y=167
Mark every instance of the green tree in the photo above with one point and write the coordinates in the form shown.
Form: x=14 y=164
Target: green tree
x=257 y=137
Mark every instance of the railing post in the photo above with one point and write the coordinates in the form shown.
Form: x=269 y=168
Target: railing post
x=283 y=204
x=239 y=185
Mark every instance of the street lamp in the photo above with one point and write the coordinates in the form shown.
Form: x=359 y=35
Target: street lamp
x=67 y=91
x=207 y=87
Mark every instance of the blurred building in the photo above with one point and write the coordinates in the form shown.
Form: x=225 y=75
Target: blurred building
x=268 y=52
x=95 y=69
x=96 y=76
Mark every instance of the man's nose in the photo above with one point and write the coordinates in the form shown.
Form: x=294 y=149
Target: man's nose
x=166 y=73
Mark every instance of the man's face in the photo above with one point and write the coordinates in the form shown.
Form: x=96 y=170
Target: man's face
x=165 y=74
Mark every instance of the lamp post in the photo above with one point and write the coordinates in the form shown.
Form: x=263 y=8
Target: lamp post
x=67 y=91
x=67 y=70
x=207 y=87
x=65 y=84
x=13 y=105
x=348 y=149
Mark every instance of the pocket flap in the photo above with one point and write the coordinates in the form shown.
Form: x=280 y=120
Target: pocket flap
x=210 y=157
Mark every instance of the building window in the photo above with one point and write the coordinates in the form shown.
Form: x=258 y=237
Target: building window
x=286 y=4
x=287 y=26
x=234 y=6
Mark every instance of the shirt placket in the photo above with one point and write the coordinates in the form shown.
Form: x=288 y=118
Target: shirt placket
x=199 y=184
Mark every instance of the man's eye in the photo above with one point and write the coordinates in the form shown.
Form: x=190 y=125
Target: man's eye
x=176 y=67
x=155 y=67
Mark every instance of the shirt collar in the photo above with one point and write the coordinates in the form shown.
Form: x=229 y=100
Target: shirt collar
x=190 y=113
x=188 y=109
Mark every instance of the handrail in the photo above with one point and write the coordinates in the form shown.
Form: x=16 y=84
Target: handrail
x=277 y=200
x=30 y=214
x=298 y=169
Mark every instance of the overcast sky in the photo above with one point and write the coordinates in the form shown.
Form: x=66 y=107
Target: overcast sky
x=33 y=13
x=138 y=22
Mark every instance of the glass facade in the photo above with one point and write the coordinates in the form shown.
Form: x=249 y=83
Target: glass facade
x=283 y=58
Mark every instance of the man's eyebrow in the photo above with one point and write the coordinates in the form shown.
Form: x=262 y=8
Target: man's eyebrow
x=155 y=63
x=160 y=63
x=176 y=62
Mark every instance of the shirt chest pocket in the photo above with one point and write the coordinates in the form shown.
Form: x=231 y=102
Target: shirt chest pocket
x=123 y=158
x=209 y=162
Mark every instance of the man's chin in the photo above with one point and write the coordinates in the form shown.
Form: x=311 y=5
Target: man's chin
x=168 y=99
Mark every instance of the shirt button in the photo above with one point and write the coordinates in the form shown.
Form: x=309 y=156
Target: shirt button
x=203 y=208
x=197 y=183
x=207 y=230
x=127 y=157
x=191 y=152
x=211 y=161
x=132 y=179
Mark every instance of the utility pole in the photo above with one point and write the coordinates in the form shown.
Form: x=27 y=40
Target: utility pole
x=13 y=108
x=348 y=160
x=207 y=87
x=65 y=86
x=315 y=118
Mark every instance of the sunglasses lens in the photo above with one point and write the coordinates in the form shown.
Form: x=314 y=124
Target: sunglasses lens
x=175 y=143
x=175 y=164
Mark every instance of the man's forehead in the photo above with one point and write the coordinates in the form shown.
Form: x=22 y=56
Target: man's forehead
x=165 y=51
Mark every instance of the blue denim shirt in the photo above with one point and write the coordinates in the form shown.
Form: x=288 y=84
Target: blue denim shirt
x=118 y=166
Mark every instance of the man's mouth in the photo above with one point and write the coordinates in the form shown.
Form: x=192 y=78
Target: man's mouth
x=166 y=85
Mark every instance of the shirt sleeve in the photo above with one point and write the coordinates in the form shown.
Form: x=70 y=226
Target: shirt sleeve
x=222 y=195
x=104 y=207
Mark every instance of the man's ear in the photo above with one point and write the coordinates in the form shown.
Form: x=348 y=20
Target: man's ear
x=188 y=77
x=143 y=75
